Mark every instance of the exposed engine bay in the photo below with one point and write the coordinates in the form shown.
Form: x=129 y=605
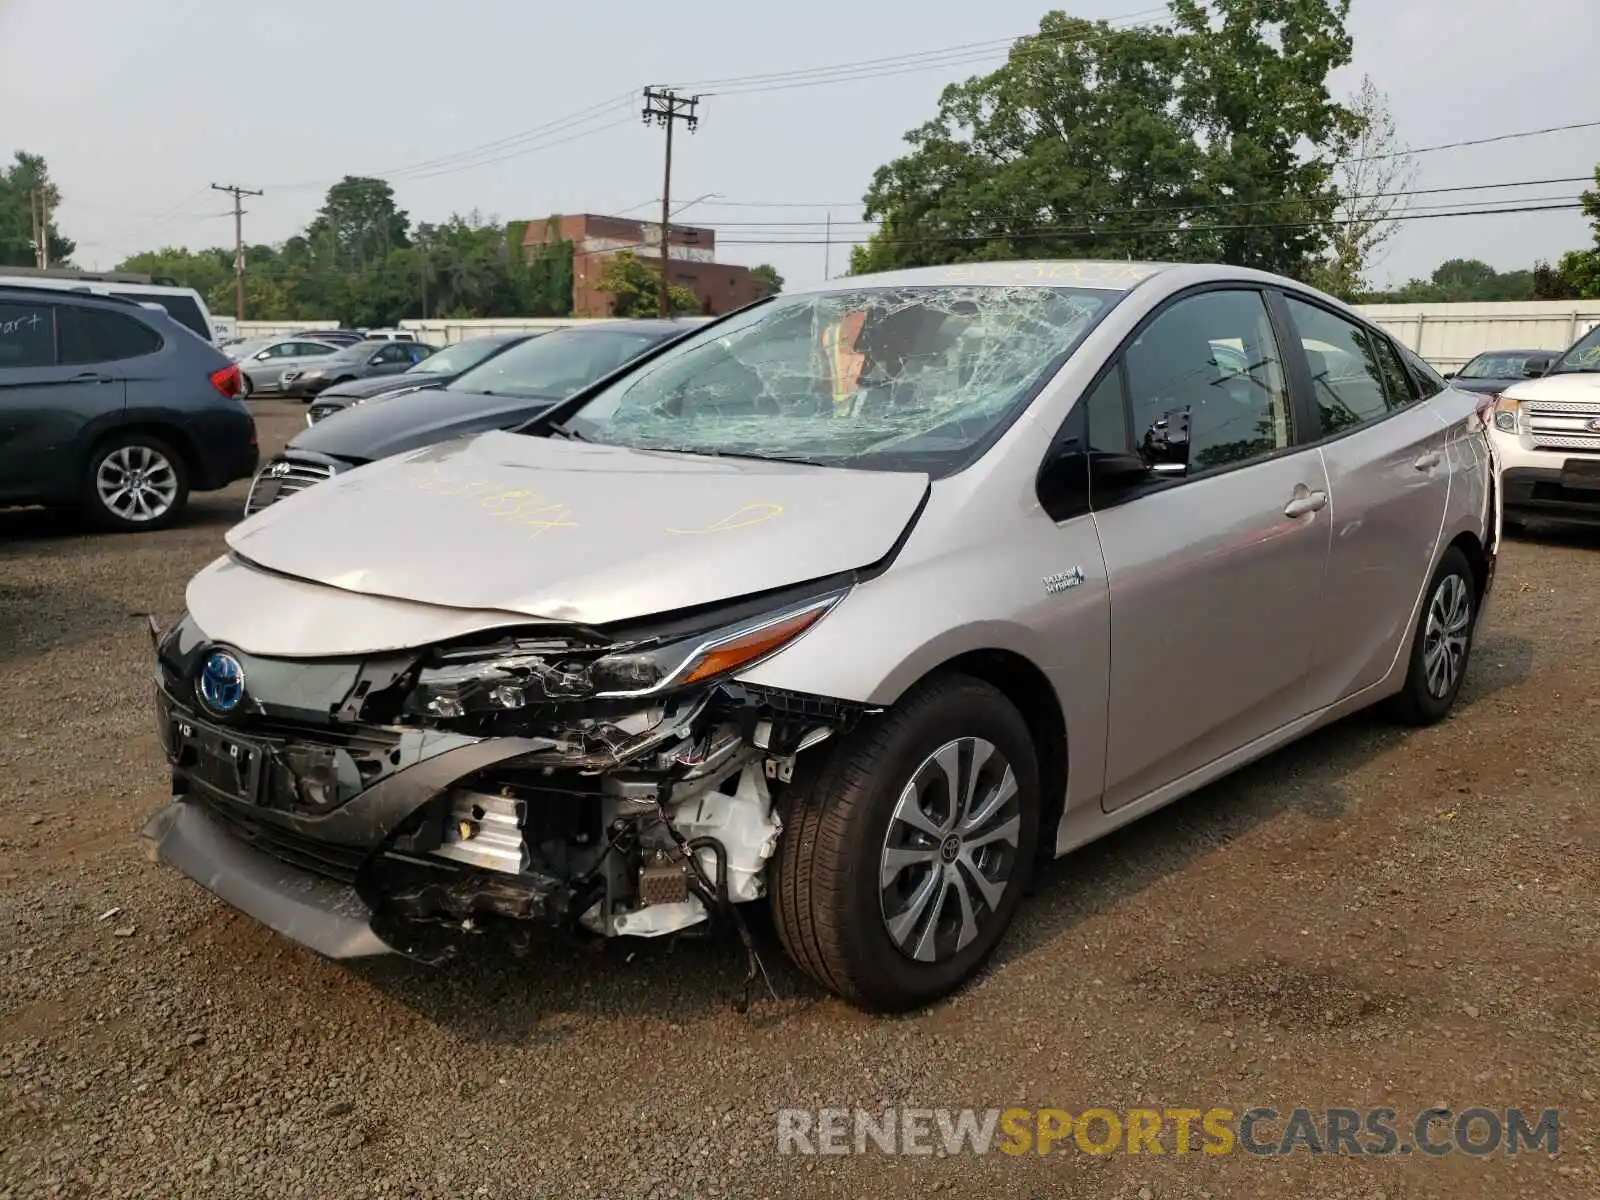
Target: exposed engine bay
x=614 y=785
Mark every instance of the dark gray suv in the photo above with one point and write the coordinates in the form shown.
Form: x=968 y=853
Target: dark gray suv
x=113 y=408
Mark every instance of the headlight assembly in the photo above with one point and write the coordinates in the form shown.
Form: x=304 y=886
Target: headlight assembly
x=536 y=673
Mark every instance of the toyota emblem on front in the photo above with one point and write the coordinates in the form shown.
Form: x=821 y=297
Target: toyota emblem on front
x=1594 y=424
x=220 y=684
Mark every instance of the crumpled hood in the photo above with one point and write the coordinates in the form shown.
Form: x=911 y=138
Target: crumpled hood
x=414 y=420
x=1570 y=386
x=570 y=531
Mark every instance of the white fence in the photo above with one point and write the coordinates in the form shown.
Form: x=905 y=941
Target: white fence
x=1447 y=335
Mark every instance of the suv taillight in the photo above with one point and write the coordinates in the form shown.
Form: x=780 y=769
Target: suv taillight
x=227 y=380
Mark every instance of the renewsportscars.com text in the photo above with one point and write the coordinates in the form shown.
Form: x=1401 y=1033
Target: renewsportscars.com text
x=1374 y=1132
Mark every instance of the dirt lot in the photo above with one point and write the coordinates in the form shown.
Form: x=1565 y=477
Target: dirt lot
x=1368 y=919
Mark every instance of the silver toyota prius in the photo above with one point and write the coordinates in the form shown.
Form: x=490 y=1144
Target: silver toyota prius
x=856 y=602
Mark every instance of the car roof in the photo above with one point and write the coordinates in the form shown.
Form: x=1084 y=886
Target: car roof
x=1105 y=274
x=1497 y=353
x=29 y=292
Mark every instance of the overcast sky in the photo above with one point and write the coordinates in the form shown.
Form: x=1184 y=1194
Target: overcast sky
x=139 y=105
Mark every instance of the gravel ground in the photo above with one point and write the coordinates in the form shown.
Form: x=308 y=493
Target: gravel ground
x=1368 y=918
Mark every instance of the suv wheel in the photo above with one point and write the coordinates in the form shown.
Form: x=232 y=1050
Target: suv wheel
x=906 y=852
x=1441 y=644
x=136 y=482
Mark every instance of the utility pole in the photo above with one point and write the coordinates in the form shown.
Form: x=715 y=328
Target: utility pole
x=665 y=107
x=827 y=249
x=39 y=214
x=238 y=194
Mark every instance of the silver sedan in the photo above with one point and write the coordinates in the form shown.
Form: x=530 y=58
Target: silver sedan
x=263 y=367
x=855 y=603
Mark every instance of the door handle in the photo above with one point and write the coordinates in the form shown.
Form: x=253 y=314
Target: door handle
x=90 y=377
x=1305 y=501
x=1428 y=461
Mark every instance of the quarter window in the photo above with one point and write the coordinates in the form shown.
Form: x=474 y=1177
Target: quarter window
x=1397 y=383
x=27 y=336
x=1429 y=382
x=90 y=335
x=1213 y=358
x=1346 y=376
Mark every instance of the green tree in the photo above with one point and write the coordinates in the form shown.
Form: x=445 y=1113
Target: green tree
x=1459 y=280
x=636 y=288
x=1579 y=270
x=1180 y=141
x=358 y=224
x=26 y=174
x=767 y=276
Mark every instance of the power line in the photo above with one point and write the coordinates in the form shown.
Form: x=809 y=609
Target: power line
x=1140 y=231
x=1430 y=191
x=1215 y=206
x=902 y=64
x=511 y=146
x=1499 y=137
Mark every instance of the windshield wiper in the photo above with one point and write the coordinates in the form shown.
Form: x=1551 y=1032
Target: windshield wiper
x=568 y=432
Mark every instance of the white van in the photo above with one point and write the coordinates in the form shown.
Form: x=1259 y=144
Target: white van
x=388 y=335
x=182 y=304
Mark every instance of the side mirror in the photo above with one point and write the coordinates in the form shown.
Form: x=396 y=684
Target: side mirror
x=259 y=355
x=1534 y=370
x=1165 y=448
x=1449 y=374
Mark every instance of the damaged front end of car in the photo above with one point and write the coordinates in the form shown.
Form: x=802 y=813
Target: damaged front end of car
x=615 y=782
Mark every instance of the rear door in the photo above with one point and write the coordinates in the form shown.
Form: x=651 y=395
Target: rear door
x=53 y=386
x=1388 y=485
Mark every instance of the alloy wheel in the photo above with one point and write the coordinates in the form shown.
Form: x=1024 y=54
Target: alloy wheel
x=136 y=484
x=1444 y=642
x=950 y=851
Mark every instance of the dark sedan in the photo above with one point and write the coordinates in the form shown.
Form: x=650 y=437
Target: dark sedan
x=436 y=371
x=1493 y=371
x=501 y=393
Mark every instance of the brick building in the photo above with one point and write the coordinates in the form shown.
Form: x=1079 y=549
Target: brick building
x=691 y=252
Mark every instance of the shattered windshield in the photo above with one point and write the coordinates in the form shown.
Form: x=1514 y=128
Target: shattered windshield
x=1584 y=356
x=907 y=378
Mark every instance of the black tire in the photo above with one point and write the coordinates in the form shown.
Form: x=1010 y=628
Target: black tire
x=1419 y=702
x=161 y=474
x=828 y=903
x=246 y=386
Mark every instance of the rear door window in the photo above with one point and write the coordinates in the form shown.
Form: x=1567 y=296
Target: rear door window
x=91 y=335
x=27 y=336
x=1346 y=377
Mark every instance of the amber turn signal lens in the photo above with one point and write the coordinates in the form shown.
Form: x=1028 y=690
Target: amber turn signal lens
x=748 y=647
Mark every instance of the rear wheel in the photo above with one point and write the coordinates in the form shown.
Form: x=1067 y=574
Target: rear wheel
x=135 y=482
x=1441 y=643
x=906 y=851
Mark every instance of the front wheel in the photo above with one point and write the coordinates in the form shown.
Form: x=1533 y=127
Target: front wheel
x=246 y=386
x=906 y=851
x=1441 y=644
x=135 y=482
